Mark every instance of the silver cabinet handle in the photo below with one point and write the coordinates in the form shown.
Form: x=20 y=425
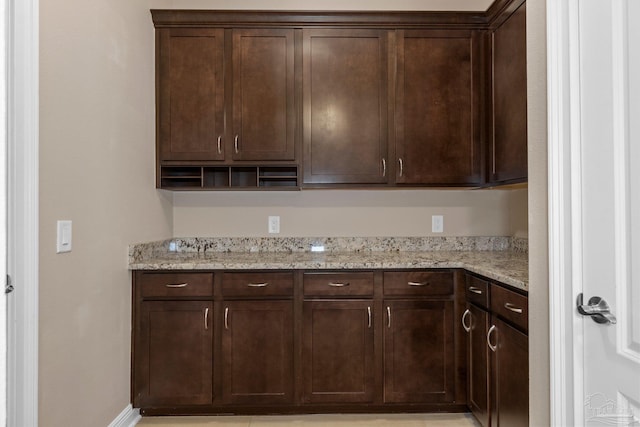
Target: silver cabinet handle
x=475 y=290
x=388 y=317
x=339 y=285
x=220 y=144
x=369 y=314
x=418 y=283
x=177 y=285
x=206 y=319
x=464 y=316
x=384 y=167
x=491 y=346
x=226 y=317
x=512 y=307
x=235 y=144
x=401 y=166
x=257 y=285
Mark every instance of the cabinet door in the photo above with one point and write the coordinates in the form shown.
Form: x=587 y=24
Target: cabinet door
x=508 y=159
x=419 y=352
x=190 y=94
x=510 y=377
x=338 y=352
x=257 y=347
x=345 y=106
x=173 y=354
x=478 y=363
x=437 y=108
x=263 y=94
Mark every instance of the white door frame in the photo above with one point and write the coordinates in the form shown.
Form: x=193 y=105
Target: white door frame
x=23 y=124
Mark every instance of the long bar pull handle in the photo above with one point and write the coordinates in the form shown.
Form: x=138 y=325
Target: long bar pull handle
x=464 y=316
x=206 y=319
x=177 y=285
x=235 y=144
x=475 y=290
x=257 y=285
x=401 y=163
x=384 y=167
x=338 y=285
x=512 y=307
x=226 y=317
x=220 y=144
x=388 y=317
x=491 y=346
x=418 y=283
x=369 y=314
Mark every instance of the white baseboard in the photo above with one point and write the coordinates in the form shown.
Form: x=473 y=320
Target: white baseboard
x=129 y=417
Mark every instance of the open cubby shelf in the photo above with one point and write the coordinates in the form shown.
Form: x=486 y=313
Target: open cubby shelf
x=229 y=177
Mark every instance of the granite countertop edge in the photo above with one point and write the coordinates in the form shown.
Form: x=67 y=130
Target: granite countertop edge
x=508 y=267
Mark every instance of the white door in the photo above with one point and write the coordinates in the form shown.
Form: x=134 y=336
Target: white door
x=594 y=144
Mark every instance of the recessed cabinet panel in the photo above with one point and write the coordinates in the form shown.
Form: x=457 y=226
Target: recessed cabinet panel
x=345 y=106
x=257 y=343
x=437 y=108
x=338 y=352
x=419 y=362
x=190 y=94
x=263 y=94
x=508 y=154
x=174 y=354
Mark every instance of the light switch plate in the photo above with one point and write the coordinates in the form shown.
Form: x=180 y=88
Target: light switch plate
x=64 y=239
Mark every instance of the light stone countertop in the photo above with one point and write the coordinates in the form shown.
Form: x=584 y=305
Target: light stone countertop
x=506 y=266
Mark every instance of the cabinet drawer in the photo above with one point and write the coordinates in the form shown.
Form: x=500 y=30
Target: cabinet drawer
x=510 y=305
x=477 y=291
x=338 y=284
x=418 y=283
x=257 y=284
x=176 y=284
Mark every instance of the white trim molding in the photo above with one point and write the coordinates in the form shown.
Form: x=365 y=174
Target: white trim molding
x=23 y=218
x=565 y=198
x=129 y=417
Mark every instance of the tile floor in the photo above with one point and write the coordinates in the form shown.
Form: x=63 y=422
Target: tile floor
x=350 y=420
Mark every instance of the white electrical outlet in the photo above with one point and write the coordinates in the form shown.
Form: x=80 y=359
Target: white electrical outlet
x=274 y=224
x=437 y=224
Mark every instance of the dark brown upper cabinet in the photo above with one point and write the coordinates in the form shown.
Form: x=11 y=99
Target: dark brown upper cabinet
x=345 y=84
x=438 y=108
x=254 y=68
x=507 y=160
x=284 y=100
x=190 y=92
x=263 y=94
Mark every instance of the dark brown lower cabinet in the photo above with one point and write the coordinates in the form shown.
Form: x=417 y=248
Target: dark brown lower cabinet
x=510 y=376
x=477 y=322
x=173 y=359
x=338 y=351
x=257 y=352
x=419 y=351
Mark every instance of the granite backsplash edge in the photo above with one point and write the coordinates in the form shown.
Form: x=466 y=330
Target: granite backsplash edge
x=141 y=251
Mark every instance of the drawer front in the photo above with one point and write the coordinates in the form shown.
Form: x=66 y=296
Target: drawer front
x=338 y=284
x=176 y=284
x=424 y=283
x=477 y=291
x=510 y=305
x=257 y=284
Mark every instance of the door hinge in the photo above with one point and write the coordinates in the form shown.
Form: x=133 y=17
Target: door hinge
x=8 y=287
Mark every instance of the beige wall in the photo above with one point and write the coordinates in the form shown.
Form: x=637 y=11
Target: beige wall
x=324 y=5
x=538 y=242
x=333 y=213
x=97 y=169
